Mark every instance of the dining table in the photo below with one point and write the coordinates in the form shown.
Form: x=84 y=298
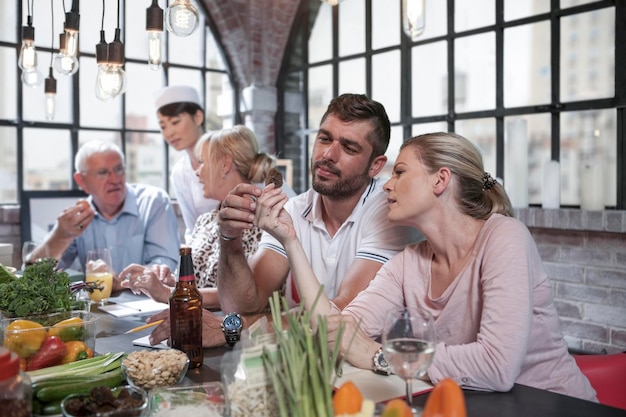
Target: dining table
x=521 y=401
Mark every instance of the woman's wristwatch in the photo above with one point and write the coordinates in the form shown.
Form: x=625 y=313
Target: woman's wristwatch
x=380 y=364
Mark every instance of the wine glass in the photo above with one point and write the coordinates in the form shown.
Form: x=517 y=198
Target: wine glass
x=27 y=249
x=409 y=346
x=99 y=270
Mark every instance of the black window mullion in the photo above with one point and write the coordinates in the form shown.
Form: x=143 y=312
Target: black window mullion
x=555 y=80
x=451 y=72
x=499 y=111
x=335 y=66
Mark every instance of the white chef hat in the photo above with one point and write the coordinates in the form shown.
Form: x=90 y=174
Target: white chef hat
x=176 y=94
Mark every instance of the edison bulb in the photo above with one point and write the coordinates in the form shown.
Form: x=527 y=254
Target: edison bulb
x=413 y=18
x=66 y=65
x=32 y=78
x=181 y=18
x=50 y=106
x=71 y=43
x=154 y=50
x=331 y=2
x=28 y=55
x=112 y=81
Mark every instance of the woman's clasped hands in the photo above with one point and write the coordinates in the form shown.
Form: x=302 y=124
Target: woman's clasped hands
x=271 y=217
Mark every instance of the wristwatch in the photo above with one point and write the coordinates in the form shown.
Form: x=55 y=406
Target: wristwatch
x=380 y=364
x=231 y=326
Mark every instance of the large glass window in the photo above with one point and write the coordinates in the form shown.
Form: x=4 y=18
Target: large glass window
x=550 y=67
x=45 y=148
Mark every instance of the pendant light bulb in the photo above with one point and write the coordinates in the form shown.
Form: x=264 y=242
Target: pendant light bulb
x=72 y=25
x=112 y=82
x=154 y=27
x=28 y=54
x=181 y=18
x=63 y=63
x=101 y=60
x=50 y=90
x=413 y=18
x=112 y=79
x=332 y=2
x=32 y=78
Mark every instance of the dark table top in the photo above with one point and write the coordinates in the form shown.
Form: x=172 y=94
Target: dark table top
x=521 y=401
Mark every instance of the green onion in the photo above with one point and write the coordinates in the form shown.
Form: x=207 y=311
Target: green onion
x=91 y=366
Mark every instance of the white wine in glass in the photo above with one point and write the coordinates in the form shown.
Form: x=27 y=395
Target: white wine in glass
x=98 y=269
x=409 y=346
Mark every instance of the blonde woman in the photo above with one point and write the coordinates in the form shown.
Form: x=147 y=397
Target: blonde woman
x=478 y=273
x=226 y=158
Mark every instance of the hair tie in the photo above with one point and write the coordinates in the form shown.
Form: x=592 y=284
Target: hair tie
x=488 y=181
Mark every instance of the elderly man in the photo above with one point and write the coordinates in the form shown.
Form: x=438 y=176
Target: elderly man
x=135 y=222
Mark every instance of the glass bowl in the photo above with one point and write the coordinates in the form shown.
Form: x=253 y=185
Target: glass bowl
x=126 y=401
x=198 y=400
x=26 y=335
x=149 y=369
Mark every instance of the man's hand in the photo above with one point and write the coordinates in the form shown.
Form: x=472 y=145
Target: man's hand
x=237 y=211
x=212 y=334
x=73 y=221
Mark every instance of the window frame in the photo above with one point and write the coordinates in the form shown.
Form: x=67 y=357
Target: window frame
x=125 y=133
x=555 y=108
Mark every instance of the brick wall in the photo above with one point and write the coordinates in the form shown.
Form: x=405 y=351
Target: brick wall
x=584 y=254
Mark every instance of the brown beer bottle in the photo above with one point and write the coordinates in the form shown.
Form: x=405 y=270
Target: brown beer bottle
x=186 y=312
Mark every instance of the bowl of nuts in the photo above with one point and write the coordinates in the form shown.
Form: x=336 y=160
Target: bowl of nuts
x=155 y=368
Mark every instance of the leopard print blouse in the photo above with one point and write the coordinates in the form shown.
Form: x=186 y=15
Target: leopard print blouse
x=205 y=247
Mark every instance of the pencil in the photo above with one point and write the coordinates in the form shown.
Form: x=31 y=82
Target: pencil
x=145 y=326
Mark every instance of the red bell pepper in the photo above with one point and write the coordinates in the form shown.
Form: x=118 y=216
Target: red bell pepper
x=50 y=353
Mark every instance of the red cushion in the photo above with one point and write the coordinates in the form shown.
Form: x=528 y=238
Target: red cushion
x=607 y=375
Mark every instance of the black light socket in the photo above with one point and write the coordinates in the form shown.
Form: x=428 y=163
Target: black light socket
x=154 y=17
x=116 y=50
x=72 y=18
x=50 y=86
x=102 y=50
x=28 y=33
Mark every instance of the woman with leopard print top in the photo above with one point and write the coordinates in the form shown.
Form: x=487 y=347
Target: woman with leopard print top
x=227 y=157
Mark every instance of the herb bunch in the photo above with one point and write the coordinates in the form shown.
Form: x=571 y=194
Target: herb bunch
x=303 y=367
x=42 y=288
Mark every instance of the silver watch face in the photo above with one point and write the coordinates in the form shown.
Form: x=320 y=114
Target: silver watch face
x=232 y=322
x=381 y=366
x=382 y=362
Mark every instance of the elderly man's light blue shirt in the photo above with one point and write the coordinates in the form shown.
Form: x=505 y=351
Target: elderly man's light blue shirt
x=144 y=232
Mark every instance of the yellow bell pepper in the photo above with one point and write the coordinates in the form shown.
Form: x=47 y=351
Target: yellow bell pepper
x=70 y=329
x=76 y=351
x=24 y=337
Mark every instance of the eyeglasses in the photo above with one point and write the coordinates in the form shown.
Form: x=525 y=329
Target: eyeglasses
x=103 y=174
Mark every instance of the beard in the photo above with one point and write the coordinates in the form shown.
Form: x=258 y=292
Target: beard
x=342 y=188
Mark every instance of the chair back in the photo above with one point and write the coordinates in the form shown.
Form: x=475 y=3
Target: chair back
x=607 y=375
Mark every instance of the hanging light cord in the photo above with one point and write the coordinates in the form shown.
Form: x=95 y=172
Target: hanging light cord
x=51 y=31
x=102 y=22
x=118 y=14
x=31 y=7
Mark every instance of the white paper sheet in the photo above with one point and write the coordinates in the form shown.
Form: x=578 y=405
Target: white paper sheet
x=145 y=342
x=133 y=308
x=379 y=388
